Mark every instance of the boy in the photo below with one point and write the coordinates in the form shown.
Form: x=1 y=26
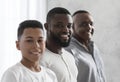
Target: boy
x=31 y=43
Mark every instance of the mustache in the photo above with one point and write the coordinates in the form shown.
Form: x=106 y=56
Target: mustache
x=66 y=33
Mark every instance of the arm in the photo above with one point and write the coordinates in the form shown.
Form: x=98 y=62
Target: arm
x=9 y=76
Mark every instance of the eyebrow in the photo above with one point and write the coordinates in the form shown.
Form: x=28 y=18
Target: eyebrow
x=63 y=23
x=29 y=37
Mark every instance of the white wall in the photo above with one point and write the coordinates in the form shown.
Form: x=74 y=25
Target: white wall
x=106 y=14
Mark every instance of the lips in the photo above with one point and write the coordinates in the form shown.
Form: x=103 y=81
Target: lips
x=87 y=32
x=65 y=36
x=35 y=53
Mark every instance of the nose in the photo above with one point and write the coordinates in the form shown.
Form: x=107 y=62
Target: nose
x=66 y=29
x=89 y=27
x=36 y=44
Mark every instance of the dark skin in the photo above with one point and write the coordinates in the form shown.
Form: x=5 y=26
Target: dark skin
x=83 y=28
x=59 y=27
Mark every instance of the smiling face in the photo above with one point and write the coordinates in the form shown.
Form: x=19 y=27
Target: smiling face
x=83 y=26
x=60 y=29
x=31 y=44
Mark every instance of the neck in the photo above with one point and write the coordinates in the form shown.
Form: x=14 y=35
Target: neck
x=33 y=66
x=54 y=47
x=85 y=43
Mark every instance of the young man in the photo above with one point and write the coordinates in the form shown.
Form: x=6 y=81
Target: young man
x=85 y=52
x=31 y=43
x=59 y=30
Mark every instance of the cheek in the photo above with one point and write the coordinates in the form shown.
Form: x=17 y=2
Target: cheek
x=24 y=46
x=79 y=31
x=43 y=47
x=52 y=32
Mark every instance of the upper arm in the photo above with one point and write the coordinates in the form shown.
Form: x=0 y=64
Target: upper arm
x=9 y=76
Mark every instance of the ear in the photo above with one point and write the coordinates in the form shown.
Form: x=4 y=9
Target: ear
x=17 y=45
x=46 y=26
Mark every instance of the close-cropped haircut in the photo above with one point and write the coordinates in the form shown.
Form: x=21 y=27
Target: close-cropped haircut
x=56 y=10
x=28 y=24
x=80 y=11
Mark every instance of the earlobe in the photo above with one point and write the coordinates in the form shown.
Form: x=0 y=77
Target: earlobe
x=17 y=45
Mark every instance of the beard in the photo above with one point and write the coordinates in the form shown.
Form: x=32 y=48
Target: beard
x=59 y=41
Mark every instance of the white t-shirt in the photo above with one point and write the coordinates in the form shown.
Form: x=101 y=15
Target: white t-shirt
x=20 y=73
x=62 y=64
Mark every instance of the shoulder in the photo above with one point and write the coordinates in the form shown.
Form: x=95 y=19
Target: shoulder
x=14 y=68
x=11 y=74
x=47 y=58
x=74 y=45
x=66 y=52
x=17 y=69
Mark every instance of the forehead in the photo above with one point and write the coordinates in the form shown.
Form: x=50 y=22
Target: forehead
x=33 y=32
x=62 y=18
x=83 y=17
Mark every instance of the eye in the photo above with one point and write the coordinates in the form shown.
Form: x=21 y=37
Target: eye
x=69 y=25
x=91 y=23
x=83 y=24
x=29 y=40
x=41 y=40
x=59 y=25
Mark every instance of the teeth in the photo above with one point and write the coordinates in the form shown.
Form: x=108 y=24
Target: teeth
x=64 y=35
x=35 y=52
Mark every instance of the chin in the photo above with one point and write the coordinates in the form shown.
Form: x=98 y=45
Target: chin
x=89 y=39
x=65 y=44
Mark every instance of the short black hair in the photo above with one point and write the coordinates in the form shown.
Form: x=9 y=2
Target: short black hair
x=80 y=11
x=56 y=10
x=28 y=24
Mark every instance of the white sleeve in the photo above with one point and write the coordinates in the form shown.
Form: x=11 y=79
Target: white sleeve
x=55 y=79
x=9 y=76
